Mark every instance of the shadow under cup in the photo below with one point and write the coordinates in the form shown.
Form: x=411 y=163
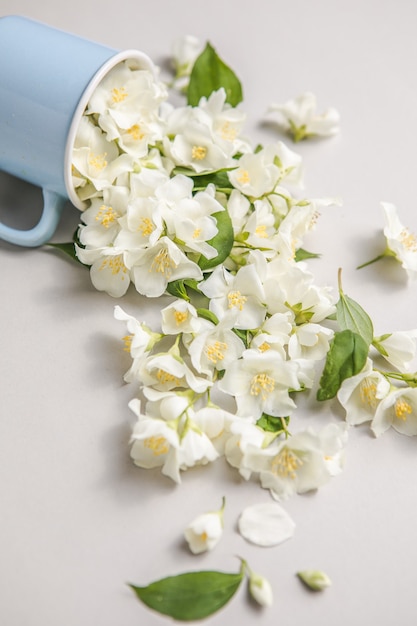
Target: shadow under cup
x=47 y=77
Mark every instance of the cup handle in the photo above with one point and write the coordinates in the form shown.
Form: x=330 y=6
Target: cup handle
x=53 y=204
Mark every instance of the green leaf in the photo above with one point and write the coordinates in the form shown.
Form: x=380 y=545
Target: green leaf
x=302 y=255
x=190 y=596
x=177 y=288
x=209 y=74
x=201 y=180
x=223 y=241
x=346 y=357
x=272 y=424
x=351 y=316
x=208 y=315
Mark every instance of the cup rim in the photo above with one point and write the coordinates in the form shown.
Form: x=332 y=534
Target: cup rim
x=143 y=62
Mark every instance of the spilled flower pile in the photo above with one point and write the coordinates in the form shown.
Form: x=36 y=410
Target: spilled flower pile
x=181 y=203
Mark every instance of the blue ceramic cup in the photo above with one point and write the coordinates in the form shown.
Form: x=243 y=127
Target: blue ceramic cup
x=47 y=77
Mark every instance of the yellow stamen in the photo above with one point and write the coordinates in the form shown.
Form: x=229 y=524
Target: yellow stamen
x=286 y=464
x=402 y=409
x=165 y=377
x=158 y=445
x=260 y=231
x=106 y=216
x=146 y=226
x=262 y=384
x=227 y=132
x=215 y=352
x=198 y=153
x=118 y=95
x=408 y=240
x=180 y=317
x=98 y=161
x=115 y=264
x=135 y=132
x=264 y=346
x=367 y=392
x=236 y=299
x=196 y=233
x=243 y=177
x=128 y=342
x=162 y=263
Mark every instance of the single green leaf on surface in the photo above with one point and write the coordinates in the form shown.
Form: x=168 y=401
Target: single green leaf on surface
x=209 y=74
x=190 y=596
x=350 y=315
x=346 y=357
x=272 y=424
x=223 y=241
x=302 y=255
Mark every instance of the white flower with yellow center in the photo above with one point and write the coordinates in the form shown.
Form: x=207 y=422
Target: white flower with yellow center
x=153 y=268
x=180 y=317
x=298 y=117
x=96 y=159
x=101 y=222
x=261 y=383
x=401 y=242
x=274 y=334
x=141 y=226
x=154 y=441
x=108 y=269
x=240 y=294
x=360 y=395
x=191 y=221
x=399 y=410
x=167 y=371
x=261 y=226
x=225 y=121
x=302 y=463
x=256 y=175
x=215 y=347
x=205 y=531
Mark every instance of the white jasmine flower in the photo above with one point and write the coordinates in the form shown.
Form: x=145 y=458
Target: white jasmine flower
x=242 y=434
x=261 y=226
x=101 y=219
x=266 y=524
x=153 y=268
x=215 y=347
x=274 y=334
x=141 y=226
x=108 y=270
x=397 y=409
x=96 y=159
x=154 y=442
x=309 y=341
x=401 y=243
x=260 y=382
x=398 y=348
x=256 y=174
x=299 y=117
x=241 y=294
x=304 y=462
x=360 y=395
x=180 y=317
x=167 y=371
x=261 y=590
x=225 y=121
x=205 y=531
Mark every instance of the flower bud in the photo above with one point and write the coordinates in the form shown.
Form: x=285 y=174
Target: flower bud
x=314 y=579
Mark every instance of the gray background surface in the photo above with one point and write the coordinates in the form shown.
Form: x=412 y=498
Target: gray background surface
x=77 y=519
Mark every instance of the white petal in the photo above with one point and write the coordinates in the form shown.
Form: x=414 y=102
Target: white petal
x=266 y=524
